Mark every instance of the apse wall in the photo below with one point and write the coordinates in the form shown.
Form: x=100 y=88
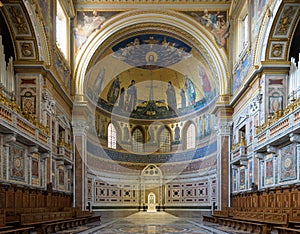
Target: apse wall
x=181 y=176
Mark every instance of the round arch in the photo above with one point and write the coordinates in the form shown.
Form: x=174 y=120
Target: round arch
x=187 y=25
x=272 y=45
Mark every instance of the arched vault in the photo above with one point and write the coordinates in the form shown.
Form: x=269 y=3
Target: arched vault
x=183 y=25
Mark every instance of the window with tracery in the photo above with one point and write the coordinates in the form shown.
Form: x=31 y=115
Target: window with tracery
x=165 y=141
x=112 y=136
x=191 y=137
x=138 y=139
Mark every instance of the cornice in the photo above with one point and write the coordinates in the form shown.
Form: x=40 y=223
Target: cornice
x=40 y=68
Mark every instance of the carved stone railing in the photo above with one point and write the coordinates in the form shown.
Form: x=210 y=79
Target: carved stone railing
x=278 y=126
x=64 y=149
x=239 y=153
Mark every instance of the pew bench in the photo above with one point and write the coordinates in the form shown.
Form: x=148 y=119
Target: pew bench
x=21 y=230
x=39 y=218
x=259 y=228
x=209 y=218
x=286 y=230
x=53 y=227
x=94 y=218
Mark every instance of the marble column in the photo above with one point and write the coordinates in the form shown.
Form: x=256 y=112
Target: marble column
x=223 y=165
x=80 y=128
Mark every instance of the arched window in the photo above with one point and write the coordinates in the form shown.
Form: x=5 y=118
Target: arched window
x=137 y=142
x=112 y=137
x=62 y=29
x=191 y=137
x=165 y=141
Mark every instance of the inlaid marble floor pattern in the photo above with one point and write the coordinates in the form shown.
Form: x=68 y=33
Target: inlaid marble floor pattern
x=151 y=223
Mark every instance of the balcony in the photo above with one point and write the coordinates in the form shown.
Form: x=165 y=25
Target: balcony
x=239 y=153
x=279 y=128
x=64 y=149
x=24 y=125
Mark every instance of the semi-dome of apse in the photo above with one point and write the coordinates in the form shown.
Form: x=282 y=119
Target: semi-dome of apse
x=152 y=76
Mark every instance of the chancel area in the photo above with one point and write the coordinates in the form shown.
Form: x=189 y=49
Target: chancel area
x=171 y=116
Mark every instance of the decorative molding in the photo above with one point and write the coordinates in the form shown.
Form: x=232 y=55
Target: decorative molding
x=224 y=128
x=33 y=149
x=294 y=137
x=272 y=149
x=260 y=156
x=76 y=2
x=10 y=138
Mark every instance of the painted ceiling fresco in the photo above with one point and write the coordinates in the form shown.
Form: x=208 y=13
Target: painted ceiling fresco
x=215 y=22
x=87 y=23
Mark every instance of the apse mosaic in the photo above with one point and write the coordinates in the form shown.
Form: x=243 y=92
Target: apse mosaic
x=157 y=98
x=150 y=157
x=151 y=51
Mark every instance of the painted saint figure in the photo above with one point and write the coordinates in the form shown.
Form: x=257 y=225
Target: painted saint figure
x=122 y=98
x=171 y=97
x=177 y=133
x=113 y=92
x=191 y=92
x=183 y=98
x=126 y=133
x=131 y=96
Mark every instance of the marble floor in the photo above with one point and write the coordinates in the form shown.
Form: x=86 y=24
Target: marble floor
x=152 y=223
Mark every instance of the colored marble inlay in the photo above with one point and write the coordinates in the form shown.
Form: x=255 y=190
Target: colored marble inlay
x=288 y=163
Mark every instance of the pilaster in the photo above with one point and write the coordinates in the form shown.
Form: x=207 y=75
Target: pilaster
x=80 y=128
x=223 y=113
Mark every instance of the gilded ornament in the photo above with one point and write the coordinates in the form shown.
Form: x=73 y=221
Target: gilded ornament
x=26 y=49
x=285 y=21
x=18 y=20
x=277 y=50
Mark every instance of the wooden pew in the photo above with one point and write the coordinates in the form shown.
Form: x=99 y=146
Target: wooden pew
x=294 y=218
x=53 y=227
x=40 y=218
x=263 y=217
x=286 y=230
x=256 y=222
x=210 y=218
x=252 y=227
x=21 y=230
x=221 y=213
x=2 y=218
